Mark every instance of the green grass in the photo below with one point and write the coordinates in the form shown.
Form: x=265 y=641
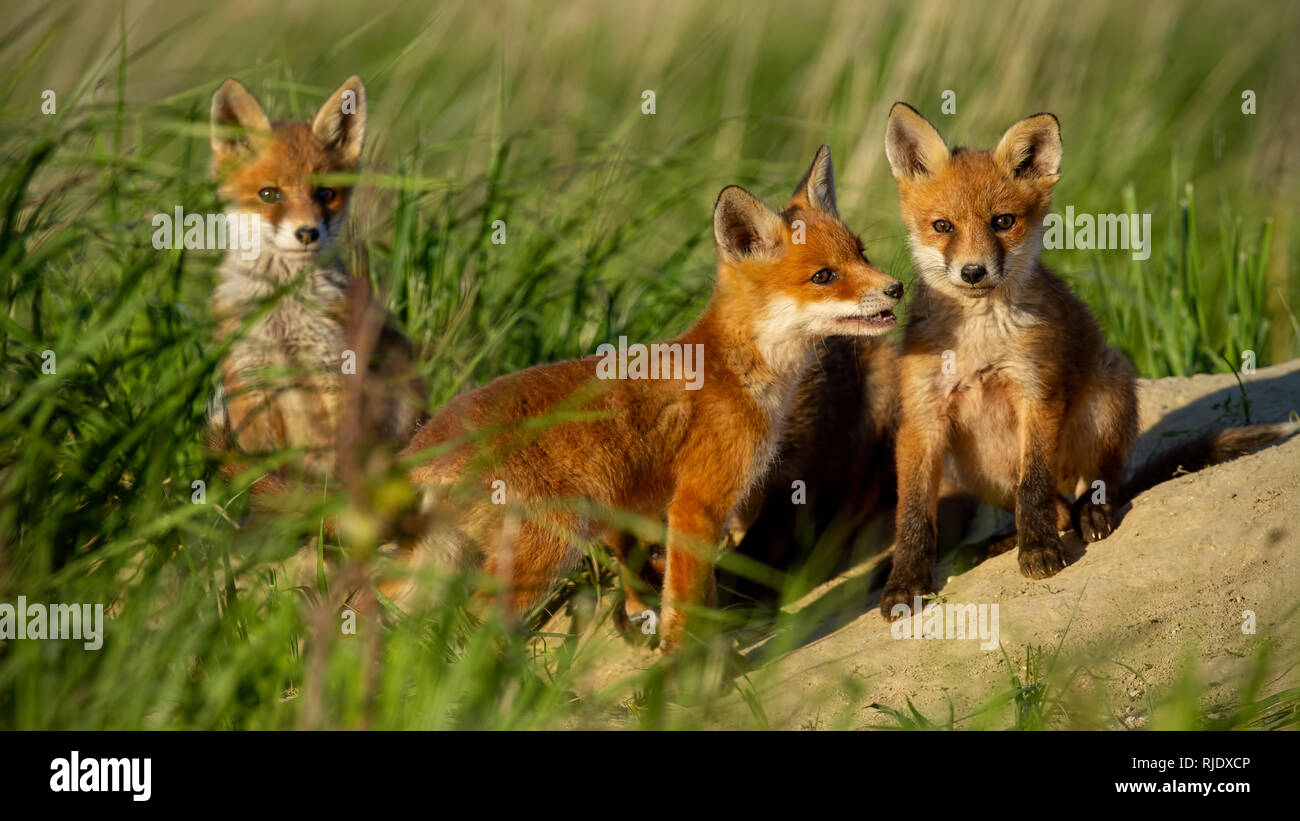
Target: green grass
x=532 y=115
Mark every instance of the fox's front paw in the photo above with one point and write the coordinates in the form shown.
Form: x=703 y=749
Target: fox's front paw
x=1041 y=557
x=671 y=630
x=903 y=591
x=1093 y=522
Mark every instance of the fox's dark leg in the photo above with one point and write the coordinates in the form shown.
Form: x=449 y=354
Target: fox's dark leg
x=635 y=562
x=1006 y=540
x=1101 y=437
x=1041 y=553
x=920 y=463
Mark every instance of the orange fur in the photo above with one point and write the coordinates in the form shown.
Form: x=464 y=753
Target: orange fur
x=685 y=456
x=1006 y=376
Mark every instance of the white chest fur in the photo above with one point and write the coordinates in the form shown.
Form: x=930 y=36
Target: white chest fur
x=301 y=321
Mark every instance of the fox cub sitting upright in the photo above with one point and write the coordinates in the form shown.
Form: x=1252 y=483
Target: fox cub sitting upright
x=668 y=448
x=283 y=382
x=1006 y=376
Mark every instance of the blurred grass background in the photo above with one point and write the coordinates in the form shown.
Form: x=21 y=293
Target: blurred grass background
x=530 y=113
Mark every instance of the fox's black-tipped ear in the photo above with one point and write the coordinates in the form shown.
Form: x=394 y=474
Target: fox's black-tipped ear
x=236 y=119
x=913 y=146
x=743 y=227
x=340 y=124
x=817 y=188
x=1032 y=149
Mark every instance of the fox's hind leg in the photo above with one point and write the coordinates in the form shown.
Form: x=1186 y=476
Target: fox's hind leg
x=532 y=554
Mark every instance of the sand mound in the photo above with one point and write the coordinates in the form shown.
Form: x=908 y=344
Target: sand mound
x=1168 y=587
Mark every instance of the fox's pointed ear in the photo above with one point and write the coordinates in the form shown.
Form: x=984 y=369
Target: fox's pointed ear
x=1031 y=149
x=340 y=124
x=913 y=146
x=817 y=188
x=743 y=227
x=236 y=118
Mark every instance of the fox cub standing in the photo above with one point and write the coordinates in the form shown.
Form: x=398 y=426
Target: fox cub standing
x=283 y=382
x=785 y=282
x=1005 y=373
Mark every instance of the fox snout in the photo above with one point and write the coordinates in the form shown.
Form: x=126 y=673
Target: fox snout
x=875 y=314
x=888 y=295
x=302 y=233
x=978 y=276
x=881 y=288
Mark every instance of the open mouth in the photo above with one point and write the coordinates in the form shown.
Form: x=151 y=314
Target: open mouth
x=884 y=319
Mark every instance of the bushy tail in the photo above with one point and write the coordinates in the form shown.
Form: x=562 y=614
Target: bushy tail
x=1204 y=450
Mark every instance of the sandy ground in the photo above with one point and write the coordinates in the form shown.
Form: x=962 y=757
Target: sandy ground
x=1164 y=594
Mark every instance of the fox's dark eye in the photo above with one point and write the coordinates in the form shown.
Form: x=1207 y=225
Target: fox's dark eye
x=824 y=277
x=1003 y=221
x=324 y=195
x=943 y=226
x=269 y=194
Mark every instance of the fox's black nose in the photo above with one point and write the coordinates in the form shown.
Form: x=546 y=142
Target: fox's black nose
x=307 y=235
x=894 y=290
x=973 y=273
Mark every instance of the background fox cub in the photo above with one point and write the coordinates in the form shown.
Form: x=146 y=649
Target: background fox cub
x=1006 y=376
x=656 y=448
x=283 y=383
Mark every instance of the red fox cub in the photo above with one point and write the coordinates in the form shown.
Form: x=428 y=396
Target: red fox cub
x=283 y=382
x=682 y=447
x=1006 y=376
